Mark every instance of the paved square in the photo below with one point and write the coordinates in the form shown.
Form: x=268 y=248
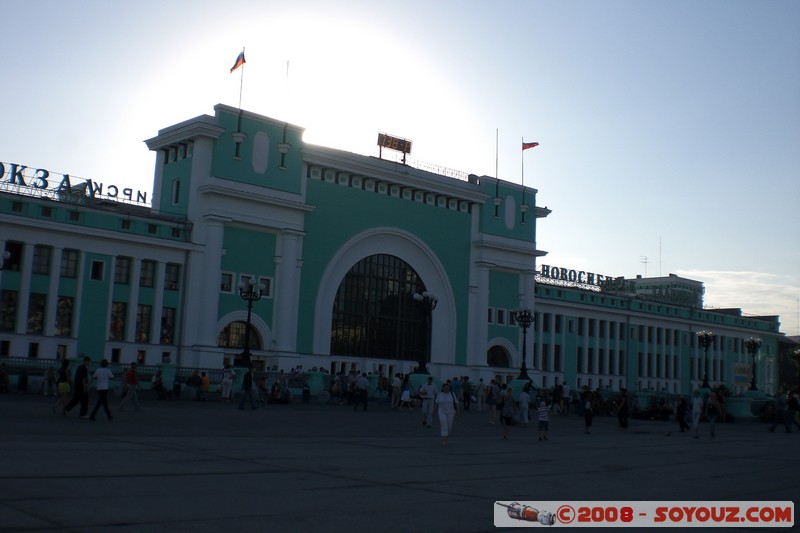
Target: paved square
x=206 y=466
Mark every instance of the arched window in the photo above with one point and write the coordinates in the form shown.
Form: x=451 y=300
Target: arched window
x=498 y=356
x=232 y=336
x=375 y=314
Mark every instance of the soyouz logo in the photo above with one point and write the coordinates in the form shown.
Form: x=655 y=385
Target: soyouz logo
x=644 y=514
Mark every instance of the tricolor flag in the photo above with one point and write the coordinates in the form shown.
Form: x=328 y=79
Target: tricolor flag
x=239 y=61
x=525 y=146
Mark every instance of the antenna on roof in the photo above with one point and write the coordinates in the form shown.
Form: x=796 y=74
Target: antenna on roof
x=645 y=261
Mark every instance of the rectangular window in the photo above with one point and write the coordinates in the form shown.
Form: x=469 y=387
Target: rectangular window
x=556 y=358
x=116 y=355
x=579 y=360
x=501 y=316
x=122 y=270
x=147 y=276
x=41 y=259
x=558 y=323
x=36 y=308
x=47 y=211
x=167 y=325
x=116 y=329
x=8 y=310
x=171 y=276
x=69 y=263
x=33 y=349
x=266 y=287
x=490 y=316
x=64 y=316
x=98 y=268
x=226 y=282
x=15 y=256
x=74 y=216
x=152 y=228
x=176 y=192
x=125 y=224
x=143 y=323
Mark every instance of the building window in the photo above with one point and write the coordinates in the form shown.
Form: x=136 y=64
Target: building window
x=171 y=276
x=47 y=211
x=152 y=228
x=36 y=308
x=226 y=282
x=167 y=325
x=69 y=263
x=176 y=192
x=266 y=287
x=116 y=330
x=8 y=310
x=498 y=356
x=41 y=259
x=64 y=316
x=501 y=316
x=375 y=314
x=122 y=270
x=15 y=250
x=16 y=207
x=232 y=336
x=74 y=216
x=125 y=224
x=116 y=355
x=490 y=316
x=147 y=276
x=143 y=313
x=98 y=268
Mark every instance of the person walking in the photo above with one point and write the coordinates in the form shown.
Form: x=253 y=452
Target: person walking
x=80 y=386
x=781 y=416
x=697 y=412
x=103 y=376
x=49 y=382
x=247 y=390
x=228 y=375
x=448 y=408
x=492 y=399
x=361 y=391
x=507 y=409
x=64 y=385
x=427 y=391
x=680 y=414
x=481 y=395
x=466 y=392
x=588 y=414
x=524 y=405
x=544 y=420
x=131 y=380
x=713 y=411
x=397 y=383
x=622 y=411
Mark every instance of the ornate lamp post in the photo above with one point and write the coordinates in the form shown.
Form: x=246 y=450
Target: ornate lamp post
x=3 y=258
x=249 y=293
x=753 y=344
x=524 y=318
x=428 y=302
x=705 y=338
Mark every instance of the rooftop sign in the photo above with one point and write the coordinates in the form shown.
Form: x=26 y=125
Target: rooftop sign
x=40 y=182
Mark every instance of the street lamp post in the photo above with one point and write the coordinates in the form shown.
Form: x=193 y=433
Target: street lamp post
x=250 y=293
x=753 y=344
x=428 y=302
x=524 y=318
x=705 y=338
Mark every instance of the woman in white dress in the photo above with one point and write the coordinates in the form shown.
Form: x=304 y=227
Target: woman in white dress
x=448 y=408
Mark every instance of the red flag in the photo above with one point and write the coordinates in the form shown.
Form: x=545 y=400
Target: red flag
x=239 y=61
x=525 y=146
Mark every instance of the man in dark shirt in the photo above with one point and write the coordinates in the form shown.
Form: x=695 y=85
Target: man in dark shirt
x=81 y=394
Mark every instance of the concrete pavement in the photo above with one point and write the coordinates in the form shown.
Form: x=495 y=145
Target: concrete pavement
x=206 y=466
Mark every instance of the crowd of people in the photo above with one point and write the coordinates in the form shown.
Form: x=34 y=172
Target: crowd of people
x=444 y=401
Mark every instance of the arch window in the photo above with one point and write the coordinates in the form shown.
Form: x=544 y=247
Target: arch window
x=498 y=356
x=232 y=336
x=375 y=314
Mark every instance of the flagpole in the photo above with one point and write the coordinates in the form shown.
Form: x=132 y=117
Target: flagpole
x=241 y=83
x=522 y=164
x=496 y=171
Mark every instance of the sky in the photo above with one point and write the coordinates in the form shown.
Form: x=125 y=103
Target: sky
x=669 y=131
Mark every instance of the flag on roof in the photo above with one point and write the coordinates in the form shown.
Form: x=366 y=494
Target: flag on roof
x=525 y=146
x=239 y=61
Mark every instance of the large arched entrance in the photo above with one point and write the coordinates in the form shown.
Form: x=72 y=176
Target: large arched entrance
x=375 y=314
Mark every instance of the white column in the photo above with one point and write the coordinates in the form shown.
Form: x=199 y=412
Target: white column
x=52 y=293
x=133 y=301
x=287 y=291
